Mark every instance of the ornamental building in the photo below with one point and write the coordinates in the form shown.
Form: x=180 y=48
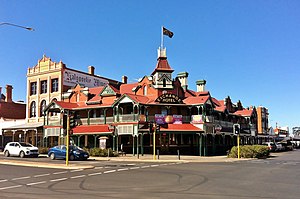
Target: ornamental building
x=158 y=110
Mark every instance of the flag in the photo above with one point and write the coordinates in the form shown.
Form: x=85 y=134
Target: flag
x=167 y=32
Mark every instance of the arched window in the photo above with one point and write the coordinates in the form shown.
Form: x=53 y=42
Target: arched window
x=43 y=106
x=33 y=109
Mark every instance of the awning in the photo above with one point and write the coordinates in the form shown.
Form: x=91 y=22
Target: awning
x=27 y=126
x=179 y=128
x=92 y=129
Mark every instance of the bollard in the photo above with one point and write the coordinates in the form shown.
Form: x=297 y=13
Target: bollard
x=178 y=154
x=157 y=154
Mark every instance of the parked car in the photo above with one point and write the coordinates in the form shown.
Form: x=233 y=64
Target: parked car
x=21 y=149
x=75 y=153
x=271 y=145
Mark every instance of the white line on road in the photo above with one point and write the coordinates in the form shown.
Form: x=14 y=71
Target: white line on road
x=94 y=174
x=21 y=178
x=41 y=175
x=61 y=172
x=154 y=165
x=147 y=166
x=110 y=171
x=60 y=179
x=81 y=176
x=76 y=170
x=125 y=169
x=98 y=168
x=3 y=180
x=35 y=183
x=11 y=187
x=134 y=168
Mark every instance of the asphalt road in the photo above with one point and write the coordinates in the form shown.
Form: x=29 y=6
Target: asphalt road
x=263 y=178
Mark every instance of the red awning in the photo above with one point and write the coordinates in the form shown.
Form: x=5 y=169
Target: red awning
x=180 y=127
x=92 y=129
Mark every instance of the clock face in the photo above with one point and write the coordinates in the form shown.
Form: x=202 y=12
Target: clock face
x=159 y=75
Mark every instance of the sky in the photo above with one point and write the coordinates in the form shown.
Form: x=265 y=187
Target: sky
x=248 y=50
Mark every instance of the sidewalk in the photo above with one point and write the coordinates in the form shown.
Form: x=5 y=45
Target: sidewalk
x=128 y=158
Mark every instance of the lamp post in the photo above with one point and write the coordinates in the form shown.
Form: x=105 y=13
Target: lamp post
x=11 y=24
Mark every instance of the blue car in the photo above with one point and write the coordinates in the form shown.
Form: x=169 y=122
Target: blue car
x=75 y=153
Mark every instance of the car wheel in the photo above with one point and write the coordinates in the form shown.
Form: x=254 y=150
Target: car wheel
x=72 y=157
x=22 y=154
x=6 y=153
x=52 y=156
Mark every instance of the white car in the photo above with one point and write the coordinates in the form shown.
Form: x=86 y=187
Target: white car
x=21 y=149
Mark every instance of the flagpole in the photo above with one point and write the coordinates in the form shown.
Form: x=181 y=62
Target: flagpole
x=162 y=38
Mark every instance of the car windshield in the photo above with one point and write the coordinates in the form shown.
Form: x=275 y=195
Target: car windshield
x=25 y=144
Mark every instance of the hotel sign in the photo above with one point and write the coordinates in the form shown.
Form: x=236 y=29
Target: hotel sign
x=169 y=98
x=71 y=78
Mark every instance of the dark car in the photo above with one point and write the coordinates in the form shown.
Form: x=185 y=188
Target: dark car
x=75 y=153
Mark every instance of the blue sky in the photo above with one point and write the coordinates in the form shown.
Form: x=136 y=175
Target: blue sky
x=248 y=50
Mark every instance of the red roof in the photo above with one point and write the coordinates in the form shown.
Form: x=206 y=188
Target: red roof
x=162 y=65
x=127 y=88
x=196 y=100
x=92 y=129
x=66 y=105
x=244 y=112
x=180 y=127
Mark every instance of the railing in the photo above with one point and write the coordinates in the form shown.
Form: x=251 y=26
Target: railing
x=126 y=118
x=94 y=121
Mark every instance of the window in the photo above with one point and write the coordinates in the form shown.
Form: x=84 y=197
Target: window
x=164 y=82
x=33 y=109
x=43 y=86
x=43 y=106
x=145 y=90
x=54 y=85
x=33 y=88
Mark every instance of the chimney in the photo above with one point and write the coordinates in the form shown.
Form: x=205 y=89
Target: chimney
x=201 y=85
x=8 y=93
x=124 y=79
x=183 y=79
x=91 y=70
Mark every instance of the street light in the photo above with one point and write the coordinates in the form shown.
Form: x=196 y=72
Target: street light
x=10 y=24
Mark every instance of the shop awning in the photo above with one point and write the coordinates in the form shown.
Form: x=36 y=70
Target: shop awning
x=27 y=126
x=92 y=129
x=179 y=128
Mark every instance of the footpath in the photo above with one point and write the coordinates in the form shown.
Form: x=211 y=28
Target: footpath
x=127 y=158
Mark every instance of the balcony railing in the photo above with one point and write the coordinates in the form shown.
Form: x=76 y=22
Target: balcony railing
x=126 y=118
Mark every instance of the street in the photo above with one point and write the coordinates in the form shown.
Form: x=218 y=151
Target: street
x=254 y=178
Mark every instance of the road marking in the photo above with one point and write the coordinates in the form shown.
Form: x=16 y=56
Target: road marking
x=145 y=166
x=125 y=169
x=41 y=175
x=154 y=165
x=98 y=168
x=60 y=179
x=3 y=180
x=81 y=176
x=134 y=168
x=61 y=172
x=76 y=170
x=110 y=171
x=35 y=183
x=166 y=164
x=93 y=174
x=11 y=187
x=21 y=178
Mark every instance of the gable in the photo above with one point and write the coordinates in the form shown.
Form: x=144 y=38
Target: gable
x=107 y=91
